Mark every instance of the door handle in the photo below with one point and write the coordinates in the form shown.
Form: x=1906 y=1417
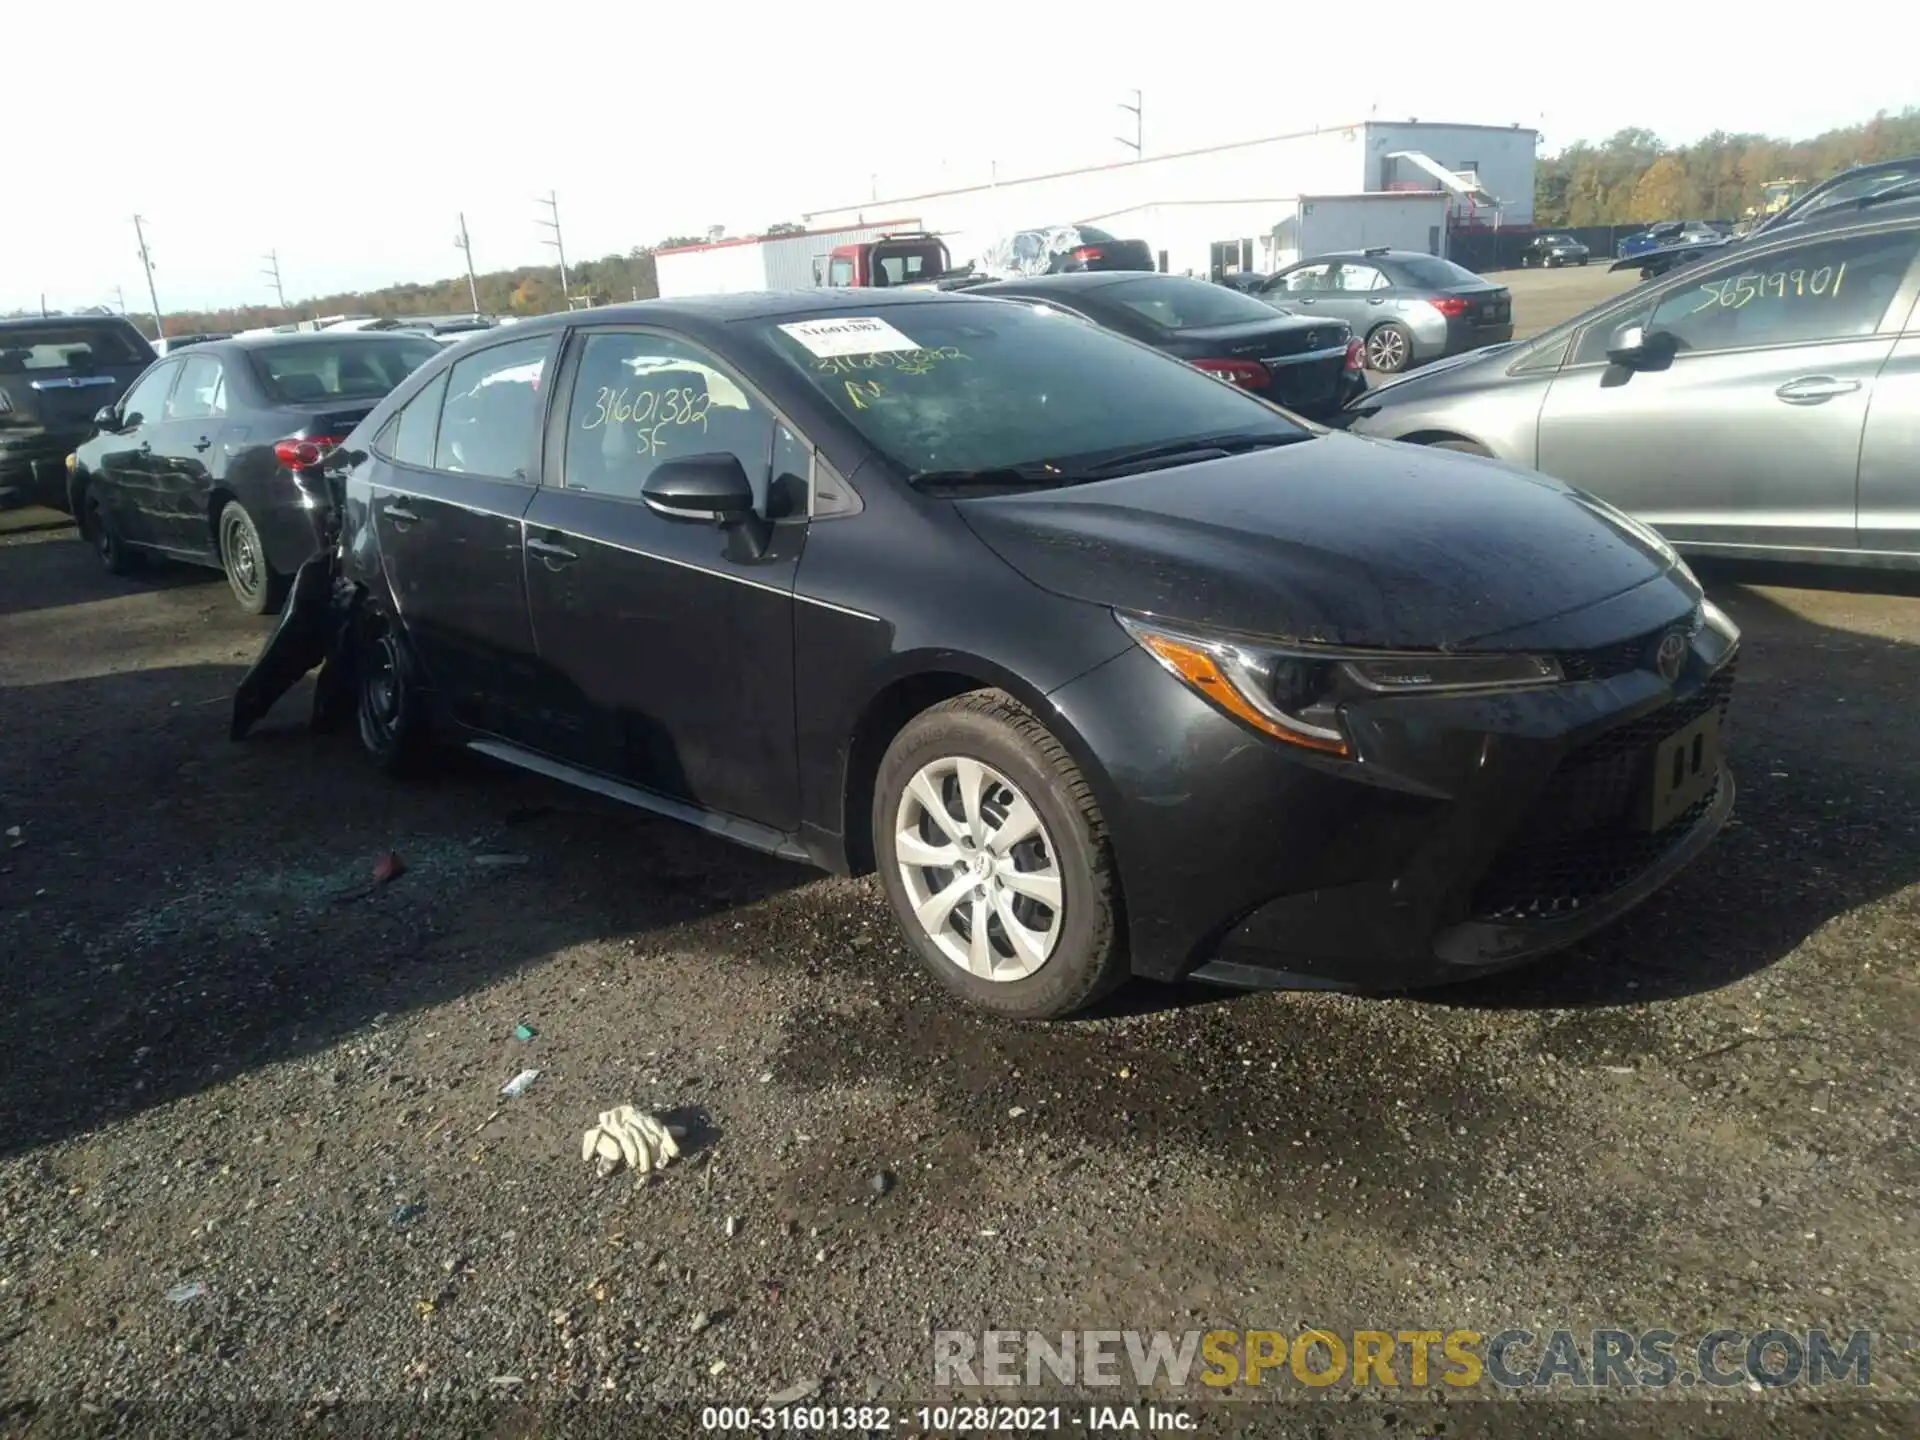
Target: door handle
x=396 y=511
x=203 y=443
x=1380 y=301
x=146 y=447
x=1812 y=389
x=554 y=554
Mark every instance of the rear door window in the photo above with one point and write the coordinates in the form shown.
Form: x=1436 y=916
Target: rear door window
x=1350 y=277
x=417 y=424
x=490 y=424
x=202 y=391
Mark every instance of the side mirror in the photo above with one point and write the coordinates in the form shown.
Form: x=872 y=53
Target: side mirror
x=1638 y=348
x=713 y=488
x=106 y=418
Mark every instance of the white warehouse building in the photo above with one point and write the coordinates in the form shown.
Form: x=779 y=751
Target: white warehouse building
x=1252 y=204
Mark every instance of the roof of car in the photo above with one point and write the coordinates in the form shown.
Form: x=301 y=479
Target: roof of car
x=1073 y=280
x=36 y=322
x=739 y=306
x=309 y=337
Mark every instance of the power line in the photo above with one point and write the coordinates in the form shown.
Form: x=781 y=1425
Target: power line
x=272 y=272
x=552 y=202
x=465 y=245
x=146 y=261
x=1138 y=143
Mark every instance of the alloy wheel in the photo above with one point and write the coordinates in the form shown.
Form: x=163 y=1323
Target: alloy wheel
x=1386 y=349
x=980 y=868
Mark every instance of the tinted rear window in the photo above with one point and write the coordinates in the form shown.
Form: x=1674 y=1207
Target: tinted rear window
x=70 y=347
x=357 y=369
x=1175 y=303
x=1435 y=273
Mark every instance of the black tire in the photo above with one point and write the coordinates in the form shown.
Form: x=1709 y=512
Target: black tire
x=1583 y=259
x=115 y=558
x=1089 y=956
x=389 y=702
x=1465 y=447
x=1389 y=348
x=256 y=585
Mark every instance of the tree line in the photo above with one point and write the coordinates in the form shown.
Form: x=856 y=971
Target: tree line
x=1632 y=178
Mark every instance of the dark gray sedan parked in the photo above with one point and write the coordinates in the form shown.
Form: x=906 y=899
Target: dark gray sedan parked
x=1764 y=403
x=1408 y=307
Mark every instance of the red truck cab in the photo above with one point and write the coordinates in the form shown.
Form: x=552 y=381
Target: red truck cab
x=911 y=258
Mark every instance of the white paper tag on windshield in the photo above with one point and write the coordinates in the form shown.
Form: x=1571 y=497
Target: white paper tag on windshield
x=849 y=335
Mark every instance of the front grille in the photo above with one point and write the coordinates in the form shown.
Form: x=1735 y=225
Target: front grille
x=1621 y=658
x=1579 y=843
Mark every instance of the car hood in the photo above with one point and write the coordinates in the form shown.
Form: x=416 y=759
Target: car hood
x=1415 y=380
x=1337 y=540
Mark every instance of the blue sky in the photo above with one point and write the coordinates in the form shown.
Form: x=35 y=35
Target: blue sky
x=665 y=119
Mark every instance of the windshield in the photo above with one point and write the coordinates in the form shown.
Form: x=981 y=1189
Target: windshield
x=67 y=347
x=1432 y=271
x=1870 y=182
x=1175 y=303
x=359 y=368
x=977 y=385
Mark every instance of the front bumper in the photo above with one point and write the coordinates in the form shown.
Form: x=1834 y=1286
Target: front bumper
x=1445 y=853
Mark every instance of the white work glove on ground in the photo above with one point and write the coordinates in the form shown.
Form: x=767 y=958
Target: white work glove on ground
x=627 y=1135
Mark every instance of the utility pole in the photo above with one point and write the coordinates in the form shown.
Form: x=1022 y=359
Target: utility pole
x=120 y=298
x=465 y=246
x=1138 y=142
x=159 y=327
x=552 y=202
x=272 y=272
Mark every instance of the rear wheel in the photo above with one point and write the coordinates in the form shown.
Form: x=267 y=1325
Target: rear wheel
x=994 y=856
x=256 y=585
x=1389 y=348
x=115 y=557
x=389 y=704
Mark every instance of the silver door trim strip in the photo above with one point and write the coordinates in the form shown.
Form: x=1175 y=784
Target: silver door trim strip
x=630 y=550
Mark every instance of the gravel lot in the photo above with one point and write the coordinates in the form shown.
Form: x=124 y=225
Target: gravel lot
x=233 y=1064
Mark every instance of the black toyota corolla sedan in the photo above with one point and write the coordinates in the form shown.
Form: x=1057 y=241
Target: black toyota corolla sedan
x=1105 y=666
x=1311 y=366
x=211 y=455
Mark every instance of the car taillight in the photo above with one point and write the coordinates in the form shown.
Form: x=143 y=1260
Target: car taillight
x=1452 y=306
x=304 y=454
x=1086 y=254
x=1356 y=355
x=1250 y=373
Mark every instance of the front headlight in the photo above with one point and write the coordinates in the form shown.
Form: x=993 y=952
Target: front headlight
x=1295 y=693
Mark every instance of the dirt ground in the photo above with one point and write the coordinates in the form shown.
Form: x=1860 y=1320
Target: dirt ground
x=232 y=1064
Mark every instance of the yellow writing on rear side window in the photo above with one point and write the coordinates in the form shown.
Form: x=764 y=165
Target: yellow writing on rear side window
x=1736 y=292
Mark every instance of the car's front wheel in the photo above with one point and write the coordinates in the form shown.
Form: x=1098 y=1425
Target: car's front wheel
x=994 y=855
x=256 y=585
x=1389 y=348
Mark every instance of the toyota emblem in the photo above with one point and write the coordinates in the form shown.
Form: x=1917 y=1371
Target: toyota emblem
x=1671 y=655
